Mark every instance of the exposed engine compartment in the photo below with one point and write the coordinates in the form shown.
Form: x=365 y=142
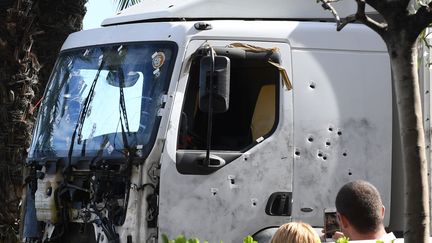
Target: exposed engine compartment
x=90 y=201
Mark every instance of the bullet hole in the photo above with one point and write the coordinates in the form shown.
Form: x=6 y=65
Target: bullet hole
x=427 y=146
x=245 y=159
x=170 y=6
x=297 y=153
x=339 y=133
x=344 y=154
x=327 y=143
x=427 y=92
x=349 y=173
x=330 y=129
x=310 y=139
x=169 y=36
x=213 y=191
x=254 y=202
x=312 y=86
x=232 y=181
x=320 y=154
x=324 y=157
x=427 y=119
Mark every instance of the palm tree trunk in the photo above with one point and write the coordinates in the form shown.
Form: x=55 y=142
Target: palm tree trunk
x=31 y=32
x=403 y=57
x=16 y=81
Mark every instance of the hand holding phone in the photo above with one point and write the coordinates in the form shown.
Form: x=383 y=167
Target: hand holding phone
x=331 y=224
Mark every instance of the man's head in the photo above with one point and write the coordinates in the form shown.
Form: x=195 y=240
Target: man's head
x=295 y=232
x=359 y=205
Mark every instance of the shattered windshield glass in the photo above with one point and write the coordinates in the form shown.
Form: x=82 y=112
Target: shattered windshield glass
x=108 y=95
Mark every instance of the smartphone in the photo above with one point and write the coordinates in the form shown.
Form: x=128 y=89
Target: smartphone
x=331 y=223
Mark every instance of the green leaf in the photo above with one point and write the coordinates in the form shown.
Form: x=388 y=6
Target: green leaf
x=194 y=240
x=180 y=239
x=165 y=238
x=342 y=240
x=249 y=239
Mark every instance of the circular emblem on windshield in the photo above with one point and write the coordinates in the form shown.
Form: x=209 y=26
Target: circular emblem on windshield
x=158 y=59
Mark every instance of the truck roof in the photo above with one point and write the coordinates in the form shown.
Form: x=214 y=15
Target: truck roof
x=163 y=10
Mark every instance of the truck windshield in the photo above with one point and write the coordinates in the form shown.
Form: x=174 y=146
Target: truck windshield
x=108 y=95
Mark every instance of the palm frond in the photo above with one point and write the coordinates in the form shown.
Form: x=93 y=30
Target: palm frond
x=122 y=4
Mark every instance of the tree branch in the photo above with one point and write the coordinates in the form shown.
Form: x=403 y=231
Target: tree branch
x=345 y=21
x=360 y=16
x=327 y=6
x=366 y=20
x=376 y=4
x=405 y=3
x=423 y=17
x=383 y=8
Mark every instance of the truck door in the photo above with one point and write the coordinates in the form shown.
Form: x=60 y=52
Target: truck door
x=249 y=187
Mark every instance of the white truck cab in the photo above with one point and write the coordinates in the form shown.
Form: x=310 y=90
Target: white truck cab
x=129 y=145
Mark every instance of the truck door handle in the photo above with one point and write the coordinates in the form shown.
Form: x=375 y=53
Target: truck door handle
x=279 y=204
x=191 y=162
x=215 y=161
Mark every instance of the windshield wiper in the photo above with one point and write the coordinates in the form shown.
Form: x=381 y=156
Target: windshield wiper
x=129 y=152
x=122 y=108
x=84 y=111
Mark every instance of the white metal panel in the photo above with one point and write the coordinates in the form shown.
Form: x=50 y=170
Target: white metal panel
x=310 y=35
x=128 y=33
x=209 y=206
x=354 y=37
x=342 y=126
x=239 y=9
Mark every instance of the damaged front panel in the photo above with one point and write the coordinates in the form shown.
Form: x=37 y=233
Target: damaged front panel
x=97 y=125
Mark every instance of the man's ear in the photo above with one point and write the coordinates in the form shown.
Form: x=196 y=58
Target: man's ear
x=343 y=221
x=382 y=212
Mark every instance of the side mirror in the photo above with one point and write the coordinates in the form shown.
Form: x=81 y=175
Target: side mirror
x=221 y=84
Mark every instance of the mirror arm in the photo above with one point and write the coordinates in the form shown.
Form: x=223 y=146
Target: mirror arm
x=210 y=110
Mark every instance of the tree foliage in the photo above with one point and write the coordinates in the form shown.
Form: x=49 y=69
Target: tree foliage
x=122 y=4
x=182 y=239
